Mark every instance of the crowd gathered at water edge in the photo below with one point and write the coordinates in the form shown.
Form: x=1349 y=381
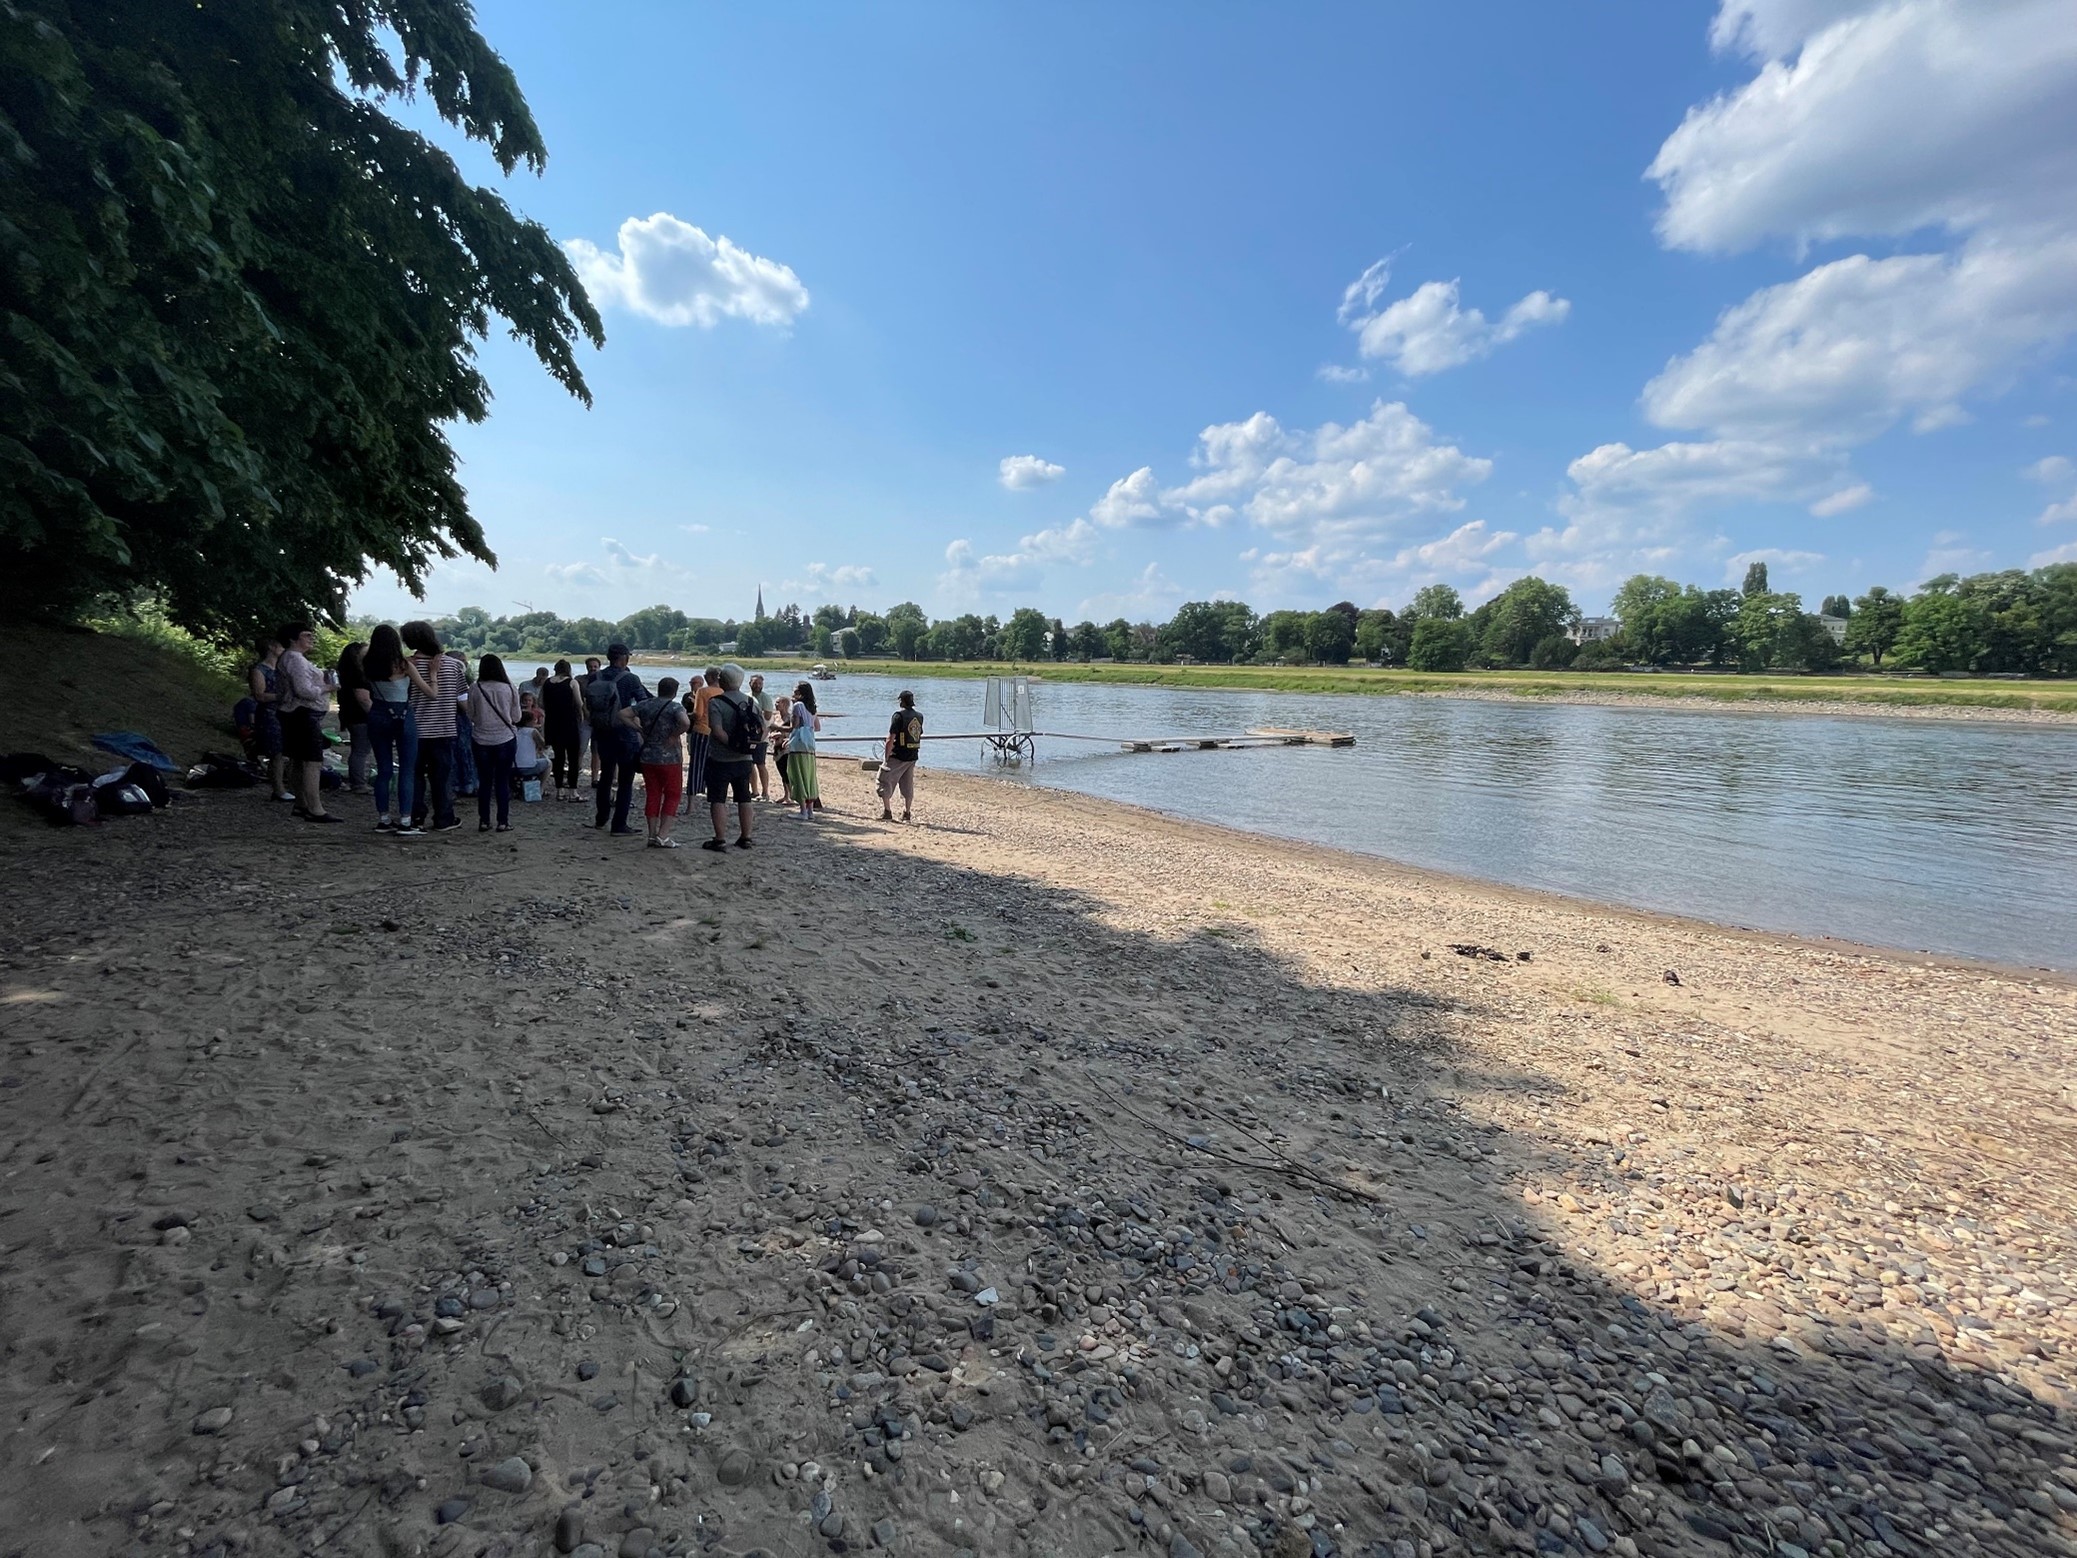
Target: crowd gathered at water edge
x=423 y=728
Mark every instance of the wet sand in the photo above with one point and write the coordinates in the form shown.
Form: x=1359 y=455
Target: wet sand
x=1049 y=1177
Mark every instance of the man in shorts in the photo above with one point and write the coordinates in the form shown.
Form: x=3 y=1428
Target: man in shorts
x=736 y=725
x=898 y=766
x=760 y=773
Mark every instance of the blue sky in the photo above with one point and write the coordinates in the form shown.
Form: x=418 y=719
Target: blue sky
x=1293 y=304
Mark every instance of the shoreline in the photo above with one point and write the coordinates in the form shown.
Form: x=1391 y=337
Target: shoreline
x=1105 y=1169
x=1917 y=698
x=1132 y=813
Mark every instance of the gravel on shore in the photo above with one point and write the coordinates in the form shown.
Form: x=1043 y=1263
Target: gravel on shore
x=1047 y=1177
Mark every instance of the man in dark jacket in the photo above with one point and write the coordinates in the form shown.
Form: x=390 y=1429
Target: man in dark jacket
x=605 y=695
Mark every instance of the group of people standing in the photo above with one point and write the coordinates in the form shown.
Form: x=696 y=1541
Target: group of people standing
x=424 y=730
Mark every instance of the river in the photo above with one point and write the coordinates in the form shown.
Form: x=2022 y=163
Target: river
x=1934 y=835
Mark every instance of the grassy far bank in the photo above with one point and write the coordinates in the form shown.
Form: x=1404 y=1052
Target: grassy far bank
x=1718 y=687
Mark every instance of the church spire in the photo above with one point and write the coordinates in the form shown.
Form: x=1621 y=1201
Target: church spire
x=760 y=605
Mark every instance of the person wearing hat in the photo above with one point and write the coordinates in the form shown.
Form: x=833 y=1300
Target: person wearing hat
x=617 y=748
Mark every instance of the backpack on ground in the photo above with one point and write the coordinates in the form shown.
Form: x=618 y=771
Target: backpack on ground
x=745 y=732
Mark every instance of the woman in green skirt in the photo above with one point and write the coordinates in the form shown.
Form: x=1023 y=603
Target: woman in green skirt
x=800 y=752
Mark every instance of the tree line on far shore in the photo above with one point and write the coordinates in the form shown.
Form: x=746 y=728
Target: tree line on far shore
x=2013 y=622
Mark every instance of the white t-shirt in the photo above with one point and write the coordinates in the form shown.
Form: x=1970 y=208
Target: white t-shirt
x=525 y=754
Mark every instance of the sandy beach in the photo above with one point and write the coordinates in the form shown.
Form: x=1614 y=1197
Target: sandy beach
x=1049 y=1177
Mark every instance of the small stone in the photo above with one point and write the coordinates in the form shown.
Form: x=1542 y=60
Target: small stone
x=261 y=1212
x=588 y=1370
x=214 y=1421
x=987 y=1296
x=883 y=1533
x=1217 y=1488
x=569 y=1530
x=636 y=1543
x=831 y=1525
x=685 y=1391
x=511 y=1475
x=1180 y=1546
x=925 y=1216
x=502 y=1392
x=735 y=1468
x=451 y=1511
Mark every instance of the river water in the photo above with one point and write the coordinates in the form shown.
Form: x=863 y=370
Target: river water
x=1934 y=835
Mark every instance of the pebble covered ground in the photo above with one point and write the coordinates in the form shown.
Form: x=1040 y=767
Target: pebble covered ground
x=1046 y=1178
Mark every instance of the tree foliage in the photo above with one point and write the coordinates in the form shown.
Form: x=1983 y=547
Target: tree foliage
x=241 y=303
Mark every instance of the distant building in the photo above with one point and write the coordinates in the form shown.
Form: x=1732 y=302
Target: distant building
x=1836 y=626
x=728 y=648
x=1592 y=630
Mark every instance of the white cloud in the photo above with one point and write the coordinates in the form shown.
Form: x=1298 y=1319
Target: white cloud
x=1467 y=557
x=1429 y=330
x=1854 y=346
x=2056 y=513
x=1885 y=118
x=1359 y=297
x=694 y=530
x=2066 y=553
x=1777 y=559
x=1844 y=499
x=2051 y=471
x=673 y=273
x=1336 y=373
x=820 y=578
x=1131 y=500
x=1952 y=553
x=1148 y=593
x=621 y=565
x=967 y=574
x=1879 y=119
x=1022 y=472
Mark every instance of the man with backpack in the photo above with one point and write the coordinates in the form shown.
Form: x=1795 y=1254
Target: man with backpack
x=736 y=735
x=898 y=767
x=617 y=747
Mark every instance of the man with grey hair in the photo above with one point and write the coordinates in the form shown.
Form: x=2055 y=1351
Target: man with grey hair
x=736 y=726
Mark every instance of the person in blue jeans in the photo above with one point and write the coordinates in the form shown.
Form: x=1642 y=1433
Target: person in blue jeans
x=617 y=748
x=392 y=727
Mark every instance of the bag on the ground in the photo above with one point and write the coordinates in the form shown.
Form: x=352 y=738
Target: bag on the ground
x=142 y=778
x=17 y=766
x=64 y=796
x=745 y=727
x=217 y=771
x=530 y=790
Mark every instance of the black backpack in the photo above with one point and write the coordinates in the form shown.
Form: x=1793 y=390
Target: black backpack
x=745 y=730
x=908 y=741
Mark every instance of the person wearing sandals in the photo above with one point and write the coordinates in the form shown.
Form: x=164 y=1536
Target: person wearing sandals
x=354 y=701
x=304 y=704
x=661 y=723
x=800 y=753
x=493 y=713
x=392 y=727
